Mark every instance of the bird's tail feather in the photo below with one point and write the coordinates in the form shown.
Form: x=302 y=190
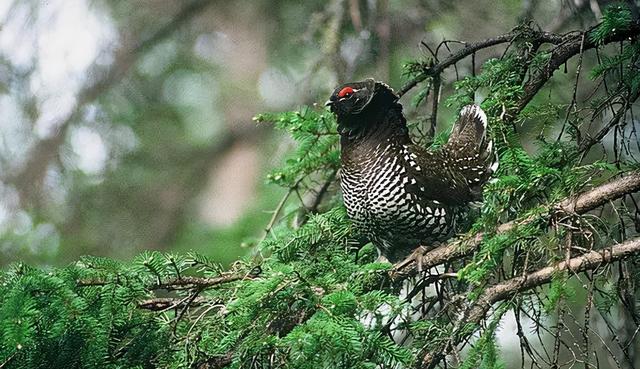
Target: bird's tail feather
x=472 y=153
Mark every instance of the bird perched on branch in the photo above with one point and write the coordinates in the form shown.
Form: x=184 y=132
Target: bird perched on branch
x=398 y=194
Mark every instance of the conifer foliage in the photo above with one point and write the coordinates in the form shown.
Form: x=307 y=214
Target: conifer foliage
x=313 y=296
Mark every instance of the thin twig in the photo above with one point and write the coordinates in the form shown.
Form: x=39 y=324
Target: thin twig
x=279 y=207
x=588 y=141
x=434 y=107
x=575 y=93
x=167 y=303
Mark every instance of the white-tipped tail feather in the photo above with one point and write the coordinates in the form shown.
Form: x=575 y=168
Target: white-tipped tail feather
x=471 y=152
x=475 y=110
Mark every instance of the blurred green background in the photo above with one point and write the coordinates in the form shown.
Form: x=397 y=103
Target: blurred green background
x=127 y=125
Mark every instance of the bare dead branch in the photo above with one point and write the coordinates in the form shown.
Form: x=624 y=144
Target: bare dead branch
x=430 y=71
x=588 y=141
x=566 y=47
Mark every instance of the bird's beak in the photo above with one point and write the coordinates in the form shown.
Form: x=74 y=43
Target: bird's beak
x=328 y=103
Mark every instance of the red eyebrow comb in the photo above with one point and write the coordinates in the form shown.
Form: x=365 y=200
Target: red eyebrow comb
x=345 y=91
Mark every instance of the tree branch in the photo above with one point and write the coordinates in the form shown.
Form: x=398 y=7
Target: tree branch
x=571 y=46
x=588 y=141
x=471 y=48
x=166 y=303
x=602 y=194
x=430 y=71
x=478 y=310
x=580 y=204
x=197 y=282
x=185 y=283
x=567 y=46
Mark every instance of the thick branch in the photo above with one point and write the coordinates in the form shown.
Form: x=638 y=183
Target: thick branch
x=580 y=204
x=506 y=289
x=602 y=194
x=589 y=261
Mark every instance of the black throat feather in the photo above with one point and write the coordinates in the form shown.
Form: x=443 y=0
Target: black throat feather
x=381 y=118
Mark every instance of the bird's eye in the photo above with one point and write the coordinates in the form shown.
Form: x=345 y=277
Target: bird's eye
x=345 y=92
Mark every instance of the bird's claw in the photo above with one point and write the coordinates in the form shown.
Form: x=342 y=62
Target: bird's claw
x=417 y=256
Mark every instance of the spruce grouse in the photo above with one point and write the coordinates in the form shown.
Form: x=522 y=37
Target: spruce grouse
x=398 y=194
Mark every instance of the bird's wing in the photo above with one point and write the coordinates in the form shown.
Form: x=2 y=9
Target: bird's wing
x=436 y=177
x=455 y=173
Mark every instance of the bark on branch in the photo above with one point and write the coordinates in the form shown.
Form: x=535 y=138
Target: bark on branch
x=184 y=283
x=168 y=303
x=580 y=204
x=477 y=311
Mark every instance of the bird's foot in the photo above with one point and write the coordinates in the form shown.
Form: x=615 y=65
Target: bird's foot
x=415 y=256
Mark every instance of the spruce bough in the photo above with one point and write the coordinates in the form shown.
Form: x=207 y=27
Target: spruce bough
x=300 y=299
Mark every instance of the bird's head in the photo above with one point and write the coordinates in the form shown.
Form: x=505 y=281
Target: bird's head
x=361 y=104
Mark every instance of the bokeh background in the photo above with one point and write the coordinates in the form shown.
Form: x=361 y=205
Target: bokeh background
x=127 y=125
